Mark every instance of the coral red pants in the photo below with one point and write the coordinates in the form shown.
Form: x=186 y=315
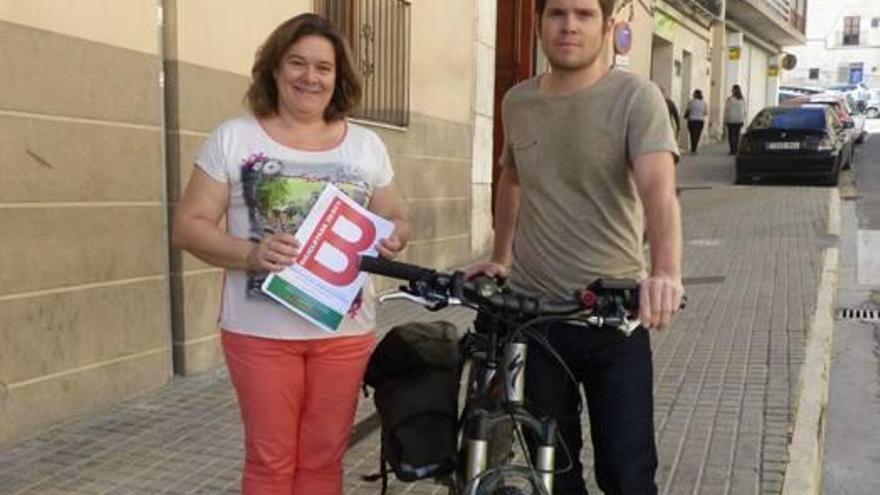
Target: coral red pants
x=297 y=400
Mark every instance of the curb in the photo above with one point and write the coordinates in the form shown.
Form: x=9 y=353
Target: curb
x=803 y=472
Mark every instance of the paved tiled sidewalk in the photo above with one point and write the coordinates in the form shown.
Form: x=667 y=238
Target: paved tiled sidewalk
x=184 y=439
x=725 y=373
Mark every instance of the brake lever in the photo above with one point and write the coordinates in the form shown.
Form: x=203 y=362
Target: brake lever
x=623 y=325
x=421 y=301
x=627 y=326
x=396 y=296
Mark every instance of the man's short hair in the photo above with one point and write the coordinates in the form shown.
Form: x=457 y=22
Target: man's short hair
x=607 y=7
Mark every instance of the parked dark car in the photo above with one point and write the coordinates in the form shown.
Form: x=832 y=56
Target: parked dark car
x=795 y=142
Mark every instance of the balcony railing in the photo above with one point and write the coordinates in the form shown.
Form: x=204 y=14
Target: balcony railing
x=780 y=21
x=706 y=9
x=799 y=21
x=715 y=7
x=781 y=7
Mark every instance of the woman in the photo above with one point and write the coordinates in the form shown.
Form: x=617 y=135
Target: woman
x=297 y=385
x=734 y=117
x=695 y=113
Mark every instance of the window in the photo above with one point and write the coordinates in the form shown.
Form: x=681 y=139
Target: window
x=851 y=30
x=379 y=33
x=791 y=118
x=875 y=22
x=814 y=74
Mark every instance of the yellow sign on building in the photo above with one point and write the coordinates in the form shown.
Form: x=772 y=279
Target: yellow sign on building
x=734 y=53
x=772 y=71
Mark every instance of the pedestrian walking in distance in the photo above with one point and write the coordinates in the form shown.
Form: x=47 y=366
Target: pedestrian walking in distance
x=695 y=113
x=734 y=117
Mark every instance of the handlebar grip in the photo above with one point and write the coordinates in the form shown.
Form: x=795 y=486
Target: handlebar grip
x=394 y=269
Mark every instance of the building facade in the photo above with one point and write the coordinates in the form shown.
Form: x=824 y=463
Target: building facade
x=682 y=47
x=842 y=47
x=102 y=110
x=713 y=44
x=757 y=32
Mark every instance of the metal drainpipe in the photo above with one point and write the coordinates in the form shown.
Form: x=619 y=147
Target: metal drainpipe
x=171 y=259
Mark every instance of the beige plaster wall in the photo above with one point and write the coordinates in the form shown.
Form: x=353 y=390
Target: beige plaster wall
x=686 y=35
x=443 y=59
x=86 y=306
x=642 y=24
x=225 y=34
x=131 y=24
x=84 y=298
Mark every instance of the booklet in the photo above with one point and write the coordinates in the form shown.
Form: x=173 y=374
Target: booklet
x=326 y=278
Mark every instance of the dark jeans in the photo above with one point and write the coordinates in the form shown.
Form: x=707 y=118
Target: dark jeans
x=733 y=136
x=616 y=374
x=695 y=128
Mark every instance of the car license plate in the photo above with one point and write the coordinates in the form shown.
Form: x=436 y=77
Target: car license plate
x=786 y=145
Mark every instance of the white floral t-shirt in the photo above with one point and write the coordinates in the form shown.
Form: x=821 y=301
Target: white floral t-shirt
x=271 y=189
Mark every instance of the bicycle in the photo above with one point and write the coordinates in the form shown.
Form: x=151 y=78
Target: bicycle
x=495 y=388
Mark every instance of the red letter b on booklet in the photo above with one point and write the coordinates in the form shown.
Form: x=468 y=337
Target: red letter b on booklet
x=325 y=279
x=328 y=241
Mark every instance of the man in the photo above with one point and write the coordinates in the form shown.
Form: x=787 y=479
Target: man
x=588 y=163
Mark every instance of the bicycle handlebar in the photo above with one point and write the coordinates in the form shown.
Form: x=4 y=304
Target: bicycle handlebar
x=609 y=298
x=395 y=269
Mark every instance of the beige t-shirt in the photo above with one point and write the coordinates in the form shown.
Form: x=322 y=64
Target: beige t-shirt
x=580 y=215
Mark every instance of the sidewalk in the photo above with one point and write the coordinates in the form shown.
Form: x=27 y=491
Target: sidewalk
x=726 y=373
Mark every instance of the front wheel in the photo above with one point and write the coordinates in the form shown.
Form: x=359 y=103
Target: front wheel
x=507 y=480
x=508 y=490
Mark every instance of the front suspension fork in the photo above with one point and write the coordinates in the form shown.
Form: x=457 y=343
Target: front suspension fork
x=479 y=428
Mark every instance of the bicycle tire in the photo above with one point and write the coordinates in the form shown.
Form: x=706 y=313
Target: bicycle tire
x=507 y=490
x=506 y=480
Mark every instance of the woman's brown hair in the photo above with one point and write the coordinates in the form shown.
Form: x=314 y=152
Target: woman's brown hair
x=262 y=95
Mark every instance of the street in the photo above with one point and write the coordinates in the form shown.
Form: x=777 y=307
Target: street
x=852 y=441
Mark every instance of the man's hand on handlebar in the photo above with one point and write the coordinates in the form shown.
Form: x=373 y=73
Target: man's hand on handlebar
x=490 y=268
x=660 y=298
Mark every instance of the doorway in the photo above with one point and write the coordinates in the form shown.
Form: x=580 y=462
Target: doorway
x=514 y=62
x=661 y=62
x=687 y=62
x=856 y=73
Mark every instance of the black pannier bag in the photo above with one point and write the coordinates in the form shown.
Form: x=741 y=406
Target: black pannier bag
x=415 y=372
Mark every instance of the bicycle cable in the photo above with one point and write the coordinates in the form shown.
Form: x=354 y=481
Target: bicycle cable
x=528 y=328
